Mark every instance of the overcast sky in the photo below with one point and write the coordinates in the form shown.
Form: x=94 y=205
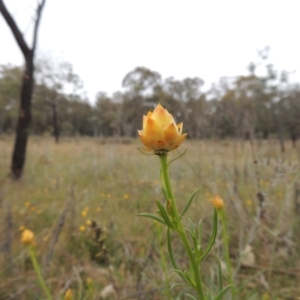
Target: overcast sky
x=105 y=39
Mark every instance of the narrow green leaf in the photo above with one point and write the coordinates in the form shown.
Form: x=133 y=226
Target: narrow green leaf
x=164 y=214
x=170 y=249
x=183 y=275
x=220 y=279
x=222 y=292
x=145 y=152
x=184 y=152
x=208 y=296
x=188 y=204
x=188 y=231
x=177 y=284
x=200 y=231
x=151 y=216
x=192 y=225
x=213 y=236
x=193 y=235
x=190 y=296
x=165 y=193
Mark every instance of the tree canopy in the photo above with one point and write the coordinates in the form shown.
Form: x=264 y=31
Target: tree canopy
x=259 y=105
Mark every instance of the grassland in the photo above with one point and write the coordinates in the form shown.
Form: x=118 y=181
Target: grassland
x=81 y=197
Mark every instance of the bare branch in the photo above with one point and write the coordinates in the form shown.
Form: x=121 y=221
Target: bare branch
x=15 y=29
x=37 y=23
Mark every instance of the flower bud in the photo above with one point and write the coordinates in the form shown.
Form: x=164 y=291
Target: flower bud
x=27 y=237
x=218 y=202
x=160 y=131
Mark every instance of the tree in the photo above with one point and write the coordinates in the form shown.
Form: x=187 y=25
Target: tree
x=141 y=81
x=24 y=118
x=140 y=85
x=109 y=115
x=52 y=81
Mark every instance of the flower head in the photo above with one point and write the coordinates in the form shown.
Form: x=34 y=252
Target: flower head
x=82 y=228
x=68 y=295
x=27 y=237
x=160 y=131
x=217 y=202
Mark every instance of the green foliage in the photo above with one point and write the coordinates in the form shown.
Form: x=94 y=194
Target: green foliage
x=247 y=106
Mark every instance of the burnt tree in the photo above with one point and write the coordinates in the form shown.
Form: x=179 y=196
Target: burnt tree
x=19 y=153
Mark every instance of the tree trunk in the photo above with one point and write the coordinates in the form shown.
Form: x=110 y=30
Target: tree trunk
x=19 y=153
x=293 y=137
x=24 y=119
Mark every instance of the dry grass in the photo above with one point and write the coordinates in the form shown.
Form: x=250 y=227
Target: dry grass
x=81 y=198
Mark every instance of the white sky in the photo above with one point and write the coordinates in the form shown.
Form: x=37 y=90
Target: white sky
x=105 y=39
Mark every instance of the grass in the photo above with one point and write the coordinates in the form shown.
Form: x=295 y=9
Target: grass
x=81 y=198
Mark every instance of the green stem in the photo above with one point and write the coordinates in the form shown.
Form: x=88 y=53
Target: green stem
x=181 y=231
x=38 y=272
x=226 y=250
x=158 y=233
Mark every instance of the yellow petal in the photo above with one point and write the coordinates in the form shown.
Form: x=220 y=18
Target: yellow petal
x=170 y=133
x=181 y=139
x=158 y=107
x=173 y=147
x=162 y=116
x=160 y=144
x=152 y=129
x=145 y=118
x=146 y=140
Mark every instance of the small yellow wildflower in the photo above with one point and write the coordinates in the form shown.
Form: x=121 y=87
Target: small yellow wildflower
x=160 y=132
x=99 y=208
x=27 y=203
x=126 y=196
x=108 y=195
x=27 y=237
x=88 y=222
x=82 y=228
x=217 y=202
x=266 y=296
x=249 y=202
x=84 y=213
x=68 y=295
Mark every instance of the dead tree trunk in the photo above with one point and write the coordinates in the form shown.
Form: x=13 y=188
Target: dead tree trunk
x=19 y=153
